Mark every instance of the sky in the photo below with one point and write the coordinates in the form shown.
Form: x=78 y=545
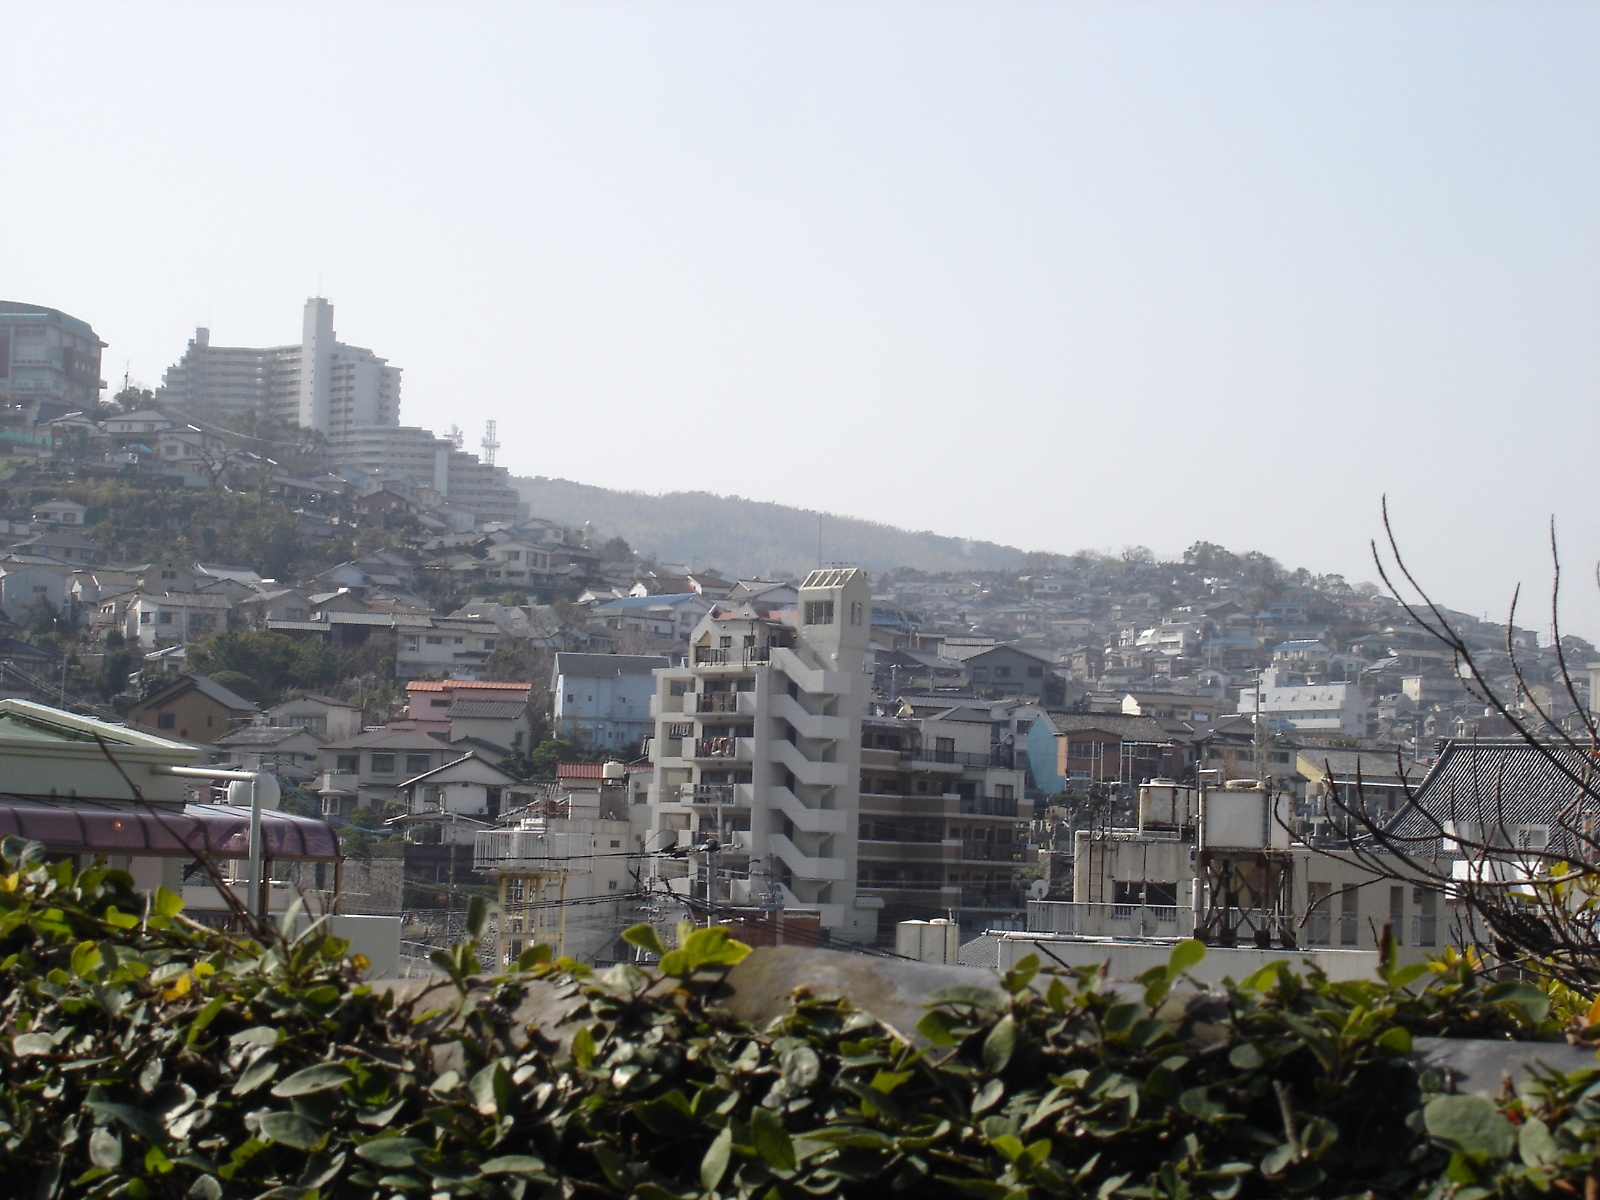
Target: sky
x=1062 y=276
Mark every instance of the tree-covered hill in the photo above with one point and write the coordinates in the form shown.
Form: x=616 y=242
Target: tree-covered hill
x=752 y=537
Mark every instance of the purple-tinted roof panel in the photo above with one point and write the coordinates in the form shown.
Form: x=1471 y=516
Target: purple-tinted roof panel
x=107 y=827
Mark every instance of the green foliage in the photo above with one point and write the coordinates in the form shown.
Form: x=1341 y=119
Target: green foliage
x=275 y=662
x=146 y=1056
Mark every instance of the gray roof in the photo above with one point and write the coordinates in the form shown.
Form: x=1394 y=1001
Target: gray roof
x=1502 y=782
x=1129 y=729
x=262 y=735
x=386 y=739
x=221 y=694
x=601 y=666
x=488 y=710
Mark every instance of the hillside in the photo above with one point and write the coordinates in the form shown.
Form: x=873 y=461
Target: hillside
x=751 y=537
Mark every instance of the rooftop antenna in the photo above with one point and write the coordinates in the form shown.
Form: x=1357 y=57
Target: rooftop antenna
x=490 y=443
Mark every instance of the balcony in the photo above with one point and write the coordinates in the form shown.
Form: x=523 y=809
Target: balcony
x=1110 y=920
x=732 y=656
x=711 y=795
x=721 y=747
x=904 y=850
x=991 y=852
x=988 y=806
x=720 y=702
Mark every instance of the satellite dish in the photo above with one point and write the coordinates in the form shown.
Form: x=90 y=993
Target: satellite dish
x=1038 y=890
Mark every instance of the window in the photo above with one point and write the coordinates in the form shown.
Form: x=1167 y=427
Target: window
x=416 y=764
x=1002 y=672
x=1318 y=913
x=435 y=641
x=461 y=641
x=436 y=703
x=348 y=762
x=383 y=764
x=144 y=618
x=1397 y=912
x=1035 y=672
x=164 y=619
x=166 y=720
x=855 y=612
x=819 y=612
x=1349 y=916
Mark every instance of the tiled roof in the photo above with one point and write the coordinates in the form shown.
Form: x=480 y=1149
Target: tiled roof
x=1129 y=729
x=1502 y=782
x=462 y=685
x=580 y=770
x=488 y=710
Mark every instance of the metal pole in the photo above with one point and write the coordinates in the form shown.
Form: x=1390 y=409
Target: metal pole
x=258 y=891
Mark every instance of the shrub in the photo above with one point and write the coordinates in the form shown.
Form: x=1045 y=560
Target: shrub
x=148 y=1056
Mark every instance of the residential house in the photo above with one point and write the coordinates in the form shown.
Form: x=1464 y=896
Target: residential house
x=603 y=700
x=25 y=580
x=155 y=620
x=1071 y=751
x=328 y=719
x=451 y=803
x=1008 y=670
x=367 y=770
x=288 y=752
x=444 y=645
x=193 y=708
x=506 y=724
x=61 y=544
x=60 y=512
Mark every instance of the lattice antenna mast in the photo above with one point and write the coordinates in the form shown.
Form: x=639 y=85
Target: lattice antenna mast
x=490 y=443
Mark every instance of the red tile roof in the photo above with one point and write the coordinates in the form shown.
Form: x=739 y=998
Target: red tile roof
x=455 y=685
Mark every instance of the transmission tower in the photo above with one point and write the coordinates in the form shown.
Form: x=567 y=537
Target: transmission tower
x=490 y=444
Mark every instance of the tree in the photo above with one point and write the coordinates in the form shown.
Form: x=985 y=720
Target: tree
x=276 y=662
x=1531 y=908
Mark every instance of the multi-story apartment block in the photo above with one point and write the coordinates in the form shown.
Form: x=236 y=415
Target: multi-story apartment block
x=758 y=751
x=320 y=383
x=49 y=362
x=943 y=821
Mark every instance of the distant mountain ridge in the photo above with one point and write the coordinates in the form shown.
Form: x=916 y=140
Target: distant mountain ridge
x=752 y=537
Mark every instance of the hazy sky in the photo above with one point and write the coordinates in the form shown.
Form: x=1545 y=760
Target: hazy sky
x=1064 y=276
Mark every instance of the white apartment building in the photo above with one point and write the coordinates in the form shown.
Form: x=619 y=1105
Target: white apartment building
x=758 y=748
x=319 y=383
x=1322 y=707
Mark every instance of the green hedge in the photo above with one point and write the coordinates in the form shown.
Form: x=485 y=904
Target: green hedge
x=146 y=1056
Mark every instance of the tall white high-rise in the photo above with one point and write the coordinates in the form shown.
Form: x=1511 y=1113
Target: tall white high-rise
x=320 y=383
x=758 y=749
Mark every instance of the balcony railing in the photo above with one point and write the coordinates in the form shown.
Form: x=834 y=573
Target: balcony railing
x=733 y=656
x=718 y=747
x=998 y=756
x=717 y=702
x=1105 y=920
x=709 y=793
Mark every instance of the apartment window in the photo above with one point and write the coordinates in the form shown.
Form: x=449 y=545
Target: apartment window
x=348 y=762
x=383 y=764
x=166 y=720
x=1318 y=917
x=819 y=612
x=1349 y=917
x=416 y=764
